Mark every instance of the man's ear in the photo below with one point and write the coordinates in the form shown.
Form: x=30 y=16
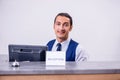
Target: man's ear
x=54 y=26
x=71 y=28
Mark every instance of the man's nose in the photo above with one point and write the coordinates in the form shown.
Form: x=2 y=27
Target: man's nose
x=62 y=27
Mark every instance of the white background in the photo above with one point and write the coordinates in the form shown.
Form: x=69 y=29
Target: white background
x=96 y=24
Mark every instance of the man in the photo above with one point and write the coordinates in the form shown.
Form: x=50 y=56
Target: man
x=62 y=26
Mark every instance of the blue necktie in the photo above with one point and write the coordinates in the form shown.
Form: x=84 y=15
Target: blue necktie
x=59 y=46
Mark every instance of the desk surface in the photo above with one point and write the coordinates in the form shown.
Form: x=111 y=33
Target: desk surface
x=69 y=68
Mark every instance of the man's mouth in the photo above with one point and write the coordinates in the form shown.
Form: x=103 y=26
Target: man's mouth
x=61 y=32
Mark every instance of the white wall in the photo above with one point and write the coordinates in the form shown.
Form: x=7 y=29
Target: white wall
x=96 y=24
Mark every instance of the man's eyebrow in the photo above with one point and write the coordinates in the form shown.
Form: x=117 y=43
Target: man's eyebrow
x=63 y=22
x=66 y=22
x=57 y=21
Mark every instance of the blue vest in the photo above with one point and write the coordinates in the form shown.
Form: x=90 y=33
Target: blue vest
x=70 y=53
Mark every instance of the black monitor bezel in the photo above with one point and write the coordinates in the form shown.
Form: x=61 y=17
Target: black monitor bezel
x=26 y=52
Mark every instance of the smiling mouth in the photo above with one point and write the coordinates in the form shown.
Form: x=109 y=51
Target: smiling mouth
x=61 y=32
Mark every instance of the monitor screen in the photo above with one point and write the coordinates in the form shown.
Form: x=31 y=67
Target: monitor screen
x=27 y=52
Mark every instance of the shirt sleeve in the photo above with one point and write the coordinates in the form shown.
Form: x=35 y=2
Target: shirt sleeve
x=81 y=54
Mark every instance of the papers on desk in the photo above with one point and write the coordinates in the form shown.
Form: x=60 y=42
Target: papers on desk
x=57 y=58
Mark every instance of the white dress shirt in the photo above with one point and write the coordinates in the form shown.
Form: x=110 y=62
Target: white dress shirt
x=81 y=54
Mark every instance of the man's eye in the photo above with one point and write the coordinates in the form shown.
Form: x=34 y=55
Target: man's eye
x=66 y=24
x=57 y=23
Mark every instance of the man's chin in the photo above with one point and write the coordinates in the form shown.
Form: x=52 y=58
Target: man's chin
x=62 y=38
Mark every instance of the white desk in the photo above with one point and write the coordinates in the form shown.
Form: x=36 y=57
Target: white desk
x=72 y=71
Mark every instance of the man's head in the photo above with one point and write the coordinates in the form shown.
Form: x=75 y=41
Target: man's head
x=65 y=15
x=62 y=26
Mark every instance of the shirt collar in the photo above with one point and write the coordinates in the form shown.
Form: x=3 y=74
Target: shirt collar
x=64 y=42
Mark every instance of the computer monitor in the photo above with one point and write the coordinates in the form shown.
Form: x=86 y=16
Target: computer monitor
x=26 y=53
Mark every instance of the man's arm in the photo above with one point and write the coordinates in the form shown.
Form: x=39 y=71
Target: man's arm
x=81 y=54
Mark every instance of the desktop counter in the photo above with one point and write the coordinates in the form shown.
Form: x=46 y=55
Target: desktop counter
x=71 y=71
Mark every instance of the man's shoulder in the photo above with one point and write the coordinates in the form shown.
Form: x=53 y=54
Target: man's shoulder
x=74 y=42
x=50 y=44
x=51 y=41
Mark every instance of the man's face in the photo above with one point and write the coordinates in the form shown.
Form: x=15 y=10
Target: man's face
x=62 y=27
